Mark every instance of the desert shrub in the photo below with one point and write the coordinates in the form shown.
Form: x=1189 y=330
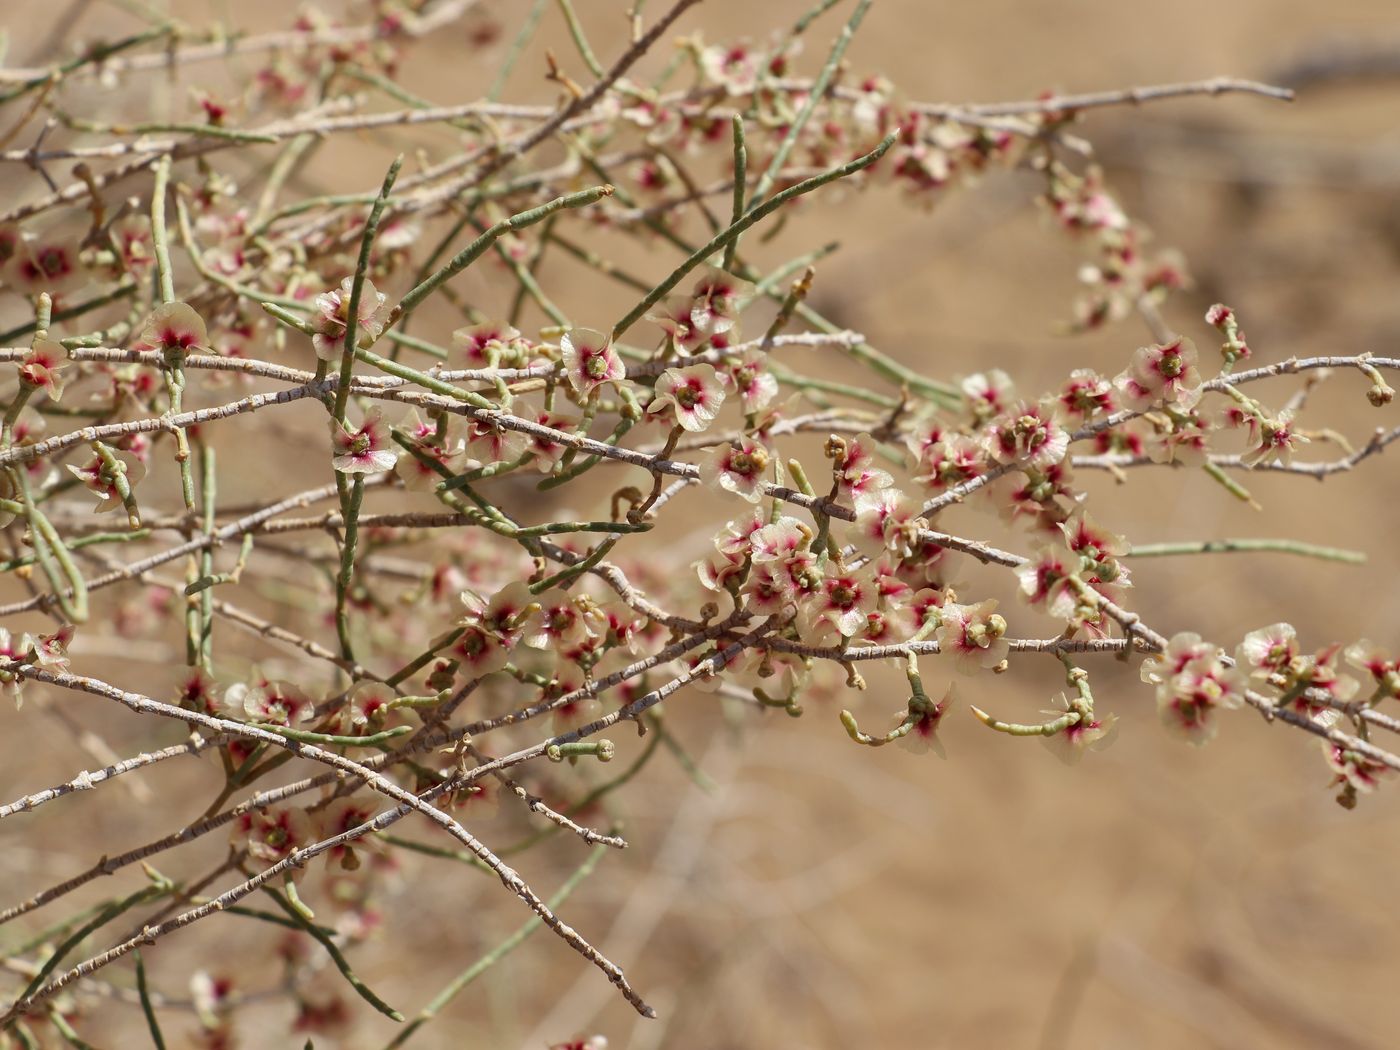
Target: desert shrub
x=487 y=468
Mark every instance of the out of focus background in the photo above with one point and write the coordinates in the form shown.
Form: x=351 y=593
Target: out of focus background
x=803 y=893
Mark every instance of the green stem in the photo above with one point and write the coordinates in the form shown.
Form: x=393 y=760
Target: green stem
x=357 y=287
x=752 y=216
x=473 y=251
x=815 y=97
x=580 y=41
x=498 y=953
x=1307 y=550
x=351 y=513
x=147 y=1007
x=741 y=175
x=335 y=953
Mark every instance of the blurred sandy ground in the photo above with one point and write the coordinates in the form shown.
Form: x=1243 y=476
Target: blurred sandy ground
x=823 y=897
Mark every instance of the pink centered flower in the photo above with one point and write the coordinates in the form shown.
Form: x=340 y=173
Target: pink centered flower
x=590 y=360
x=45 y=266
x=366 y=450
x=843 y=602
x=923 y=735
x=1093 y=733
x=1027 y=434
x=974 y=635
x=1164 y=372
x=1086 y=394
x=173 y=326
x=738 y=467
x=714 y=303
x=100 y=479
x=1268 y=651
x=750 y=380
x=885 y=521
x=271 y=835
x=693 y=394
x=334 y=313
x=1199 y=686
x=488 y=344
x=1277 y=441
x=489 y=444
x=43 y=367
x=1384 y=670
x=987 y=393
x=853 y=461
x=1354 y=769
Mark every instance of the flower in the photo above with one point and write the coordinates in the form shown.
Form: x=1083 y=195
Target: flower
x=987 y=394
x=694 y=394
x=100 y=477
x=738 y=467
x=50 y=651
x=196 y=690
x=951 y=461
x=1162 y=372
x=271 y=835
x=1198 y=686
x=564 y=621
x=43 y=367
x=132 y=236
x=334 y=313
x=433 y=451
x=974 y=635
x=547 y=451
x=843 y=602
x=1365 y=655
x=1086 y=394
x=489 y=344
x=923 y=734
x=714 y=303
x=367 y=707
x=506 y=615
x=1357 y=771
x=1027 y=434
x=1088 y=733
x=1277 y=440
x=734 y=68
x=341 y=815
x=1320 y=672
x=887 y=521
x=480 y=651
x=571 y=693
x=263 y=700
x=489 y=444
x=590 y=360
x=853 y=458
x=1184 y=439
x=1268 y=651
x=365 y=450
x=45 y=266
x=748 y=378
x=1099 y=550
x=717 y=568
x=173 y=326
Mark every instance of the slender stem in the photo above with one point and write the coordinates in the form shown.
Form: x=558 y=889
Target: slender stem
x=741 y=174
x=473 y=251
x=816 y=97
x=753 y=215
x=1307 y=550
x=496 y=954
x=357 y=287
x=346 y=575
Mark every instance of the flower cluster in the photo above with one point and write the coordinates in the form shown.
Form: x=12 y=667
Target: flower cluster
x=532 y=533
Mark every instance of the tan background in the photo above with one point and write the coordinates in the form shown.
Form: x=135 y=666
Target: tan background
x=824 y=897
